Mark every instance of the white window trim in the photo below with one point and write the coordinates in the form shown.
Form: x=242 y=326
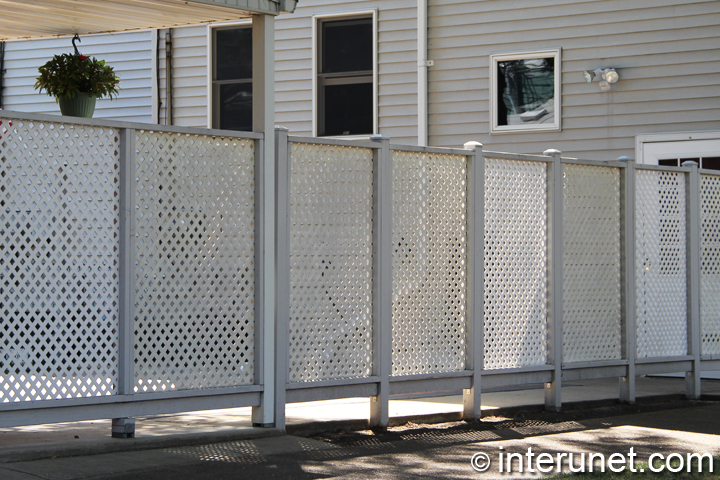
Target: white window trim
x=340 y=15
x=641 y=140
x=498 y=57
x=211 y=61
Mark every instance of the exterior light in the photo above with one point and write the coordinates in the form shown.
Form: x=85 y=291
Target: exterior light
x=606 y=76
x=610 y=75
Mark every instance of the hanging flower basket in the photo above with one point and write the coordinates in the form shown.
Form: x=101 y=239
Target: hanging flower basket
x=77 y=81
x=81 y=105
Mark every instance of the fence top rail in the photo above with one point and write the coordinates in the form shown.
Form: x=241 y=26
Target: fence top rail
x=101 y=122
x=595 y=163
x=663 y=168
x=431 y=150
x=334 y=142
x=517 y=156
x=705 y=171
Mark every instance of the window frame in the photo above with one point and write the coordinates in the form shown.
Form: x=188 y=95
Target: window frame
x=213 y=99
x=317 y=19
x=495 y=58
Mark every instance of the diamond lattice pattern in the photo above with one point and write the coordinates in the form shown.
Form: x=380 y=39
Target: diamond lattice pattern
x=591 y=263
x=660 y=264
x=429 y=262
x=195 y=267
x=515 y=264
x=331 y=211
x=710 y=263
x=58 y=260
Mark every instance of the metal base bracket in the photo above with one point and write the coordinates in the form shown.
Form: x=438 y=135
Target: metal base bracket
x=123 y=428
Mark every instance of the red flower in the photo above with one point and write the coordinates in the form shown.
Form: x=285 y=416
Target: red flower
x=83 y=57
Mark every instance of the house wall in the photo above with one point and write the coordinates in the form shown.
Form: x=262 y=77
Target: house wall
x=667 y=53
x=130 y=54
x=189 y=76
x=397 y=65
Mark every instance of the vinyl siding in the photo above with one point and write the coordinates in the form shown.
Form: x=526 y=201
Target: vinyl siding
x=189 y=76
x=397 y=69
x=397 y=66
x=130 y=54
x=666 y=52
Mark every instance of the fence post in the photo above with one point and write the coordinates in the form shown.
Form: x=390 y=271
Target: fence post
x=125 y=427
x=627 y=252
x=692 y=204
x=553 y=398
x=475 y=313
x=262 y=415
x=282 y=263
x=382 y=279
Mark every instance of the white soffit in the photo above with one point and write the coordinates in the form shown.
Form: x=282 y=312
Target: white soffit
x=44 y=18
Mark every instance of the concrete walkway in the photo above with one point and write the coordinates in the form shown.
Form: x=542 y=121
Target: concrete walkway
x=409 y=452
x=93 y=437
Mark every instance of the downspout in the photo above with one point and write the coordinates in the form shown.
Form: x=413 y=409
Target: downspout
x=168 y=78
x=423 y=64
x=2 y=72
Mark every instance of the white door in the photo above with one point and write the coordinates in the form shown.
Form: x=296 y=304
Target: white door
x=673 y=149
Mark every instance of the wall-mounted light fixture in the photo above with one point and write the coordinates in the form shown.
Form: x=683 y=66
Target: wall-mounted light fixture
x=606 y=76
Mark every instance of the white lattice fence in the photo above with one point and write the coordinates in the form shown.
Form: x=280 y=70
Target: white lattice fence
x=58 y=260
x=515 y=263
x=591 y=263
x=331 y=212
x=710 y=263
x=429 y=262
x=660 y=270
x=195 y=264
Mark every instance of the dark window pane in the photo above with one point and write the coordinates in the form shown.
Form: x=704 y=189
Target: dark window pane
x=236 y=106
x=347 y=46
x=233 y=54
x=670 y=162
x=526 y=91
x=711 y=163
x=348 y=109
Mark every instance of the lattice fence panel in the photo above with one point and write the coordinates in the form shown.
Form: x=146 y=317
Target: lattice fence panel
x=710 y=263
x=591 y=263
x=58 y=260
x=331 y=211
x=195 y=265
x=660 y=264
x=429 y=262
x=516 y=239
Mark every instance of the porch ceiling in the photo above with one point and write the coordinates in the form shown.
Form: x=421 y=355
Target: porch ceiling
x=44 y=18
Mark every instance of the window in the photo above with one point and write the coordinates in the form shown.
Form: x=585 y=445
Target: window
x=525 y=91
x=708 y=163
x=232 y=78
x=345 y=65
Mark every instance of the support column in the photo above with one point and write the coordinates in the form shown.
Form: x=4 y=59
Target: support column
x=553 y=400
x=627 y=252
x=125 y=427
x=382 y=280
x=263 y=54
x=475 y=316
x=692 y=205
x=282 y=243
